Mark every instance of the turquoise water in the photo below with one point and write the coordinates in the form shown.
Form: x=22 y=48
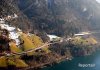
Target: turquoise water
x=74 y=64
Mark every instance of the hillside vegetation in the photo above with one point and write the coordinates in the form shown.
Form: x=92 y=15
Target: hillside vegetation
x=26 y=24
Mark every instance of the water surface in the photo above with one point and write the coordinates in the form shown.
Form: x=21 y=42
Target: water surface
x=74 y=64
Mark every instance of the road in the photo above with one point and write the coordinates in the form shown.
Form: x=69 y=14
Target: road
x=44 y=45
x=31 y=50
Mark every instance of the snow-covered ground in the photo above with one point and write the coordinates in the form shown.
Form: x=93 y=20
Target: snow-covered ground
x=2 y=20
x=13 y=31
x=13 y=34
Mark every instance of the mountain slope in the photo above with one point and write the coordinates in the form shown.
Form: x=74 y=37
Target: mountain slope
x=52 y=16
x=62 y=17
x=8 y=8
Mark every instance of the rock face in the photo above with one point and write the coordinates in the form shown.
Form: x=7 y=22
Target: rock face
x=9 y=8
x=62 y=17
x=53 y=16
x=88 y=11
x=59 y=17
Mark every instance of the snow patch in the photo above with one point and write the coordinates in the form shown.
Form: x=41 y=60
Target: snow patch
x=2 y=20
x=13 y=34
x=84 y=9
x=15 y=16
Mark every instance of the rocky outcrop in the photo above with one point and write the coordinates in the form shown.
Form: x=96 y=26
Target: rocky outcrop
x=55 y=16
x=9 y=8
x=52 y=16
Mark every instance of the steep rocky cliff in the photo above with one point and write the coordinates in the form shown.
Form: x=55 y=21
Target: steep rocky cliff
x=30 y=19
x=60 y=17
x=55 y=16
x=9 y=7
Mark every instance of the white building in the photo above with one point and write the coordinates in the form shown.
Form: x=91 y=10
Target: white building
x=53 y=37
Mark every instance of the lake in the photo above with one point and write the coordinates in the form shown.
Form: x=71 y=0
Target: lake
x=91 y=62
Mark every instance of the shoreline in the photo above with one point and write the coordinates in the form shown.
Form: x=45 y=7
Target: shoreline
x=47 y=64
x=57 y=61
x=63 y=58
